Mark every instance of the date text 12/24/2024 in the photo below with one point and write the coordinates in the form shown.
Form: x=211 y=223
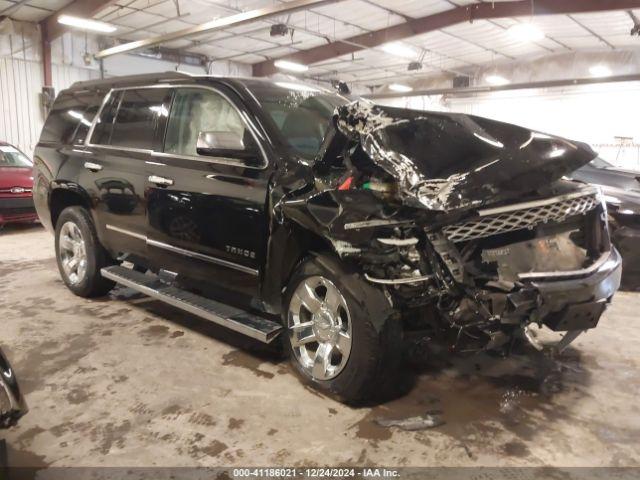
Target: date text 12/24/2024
x=315 y=473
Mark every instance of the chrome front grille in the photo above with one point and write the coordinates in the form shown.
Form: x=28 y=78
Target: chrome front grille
x=524 y=215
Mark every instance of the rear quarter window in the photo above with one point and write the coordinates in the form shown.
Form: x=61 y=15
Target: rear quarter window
x=70 y=111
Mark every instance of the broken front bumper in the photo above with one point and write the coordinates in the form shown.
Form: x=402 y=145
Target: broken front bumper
x=575 y=300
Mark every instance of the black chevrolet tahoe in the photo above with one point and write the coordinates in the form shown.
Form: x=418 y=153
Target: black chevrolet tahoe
x=280 y=209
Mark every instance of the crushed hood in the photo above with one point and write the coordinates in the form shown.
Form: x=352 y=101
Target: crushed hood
x=446 y=161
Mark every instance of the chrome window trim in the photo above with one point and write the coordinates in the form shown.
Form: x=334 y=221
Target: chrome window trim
x=182 y=251
x=232 y=162
x=105 y=100
x=125 y=149
x=222 y=161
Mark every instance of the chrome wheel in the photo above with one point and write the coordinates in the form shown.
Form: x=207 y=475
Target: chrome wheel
x=73 y=253
x=319 y=328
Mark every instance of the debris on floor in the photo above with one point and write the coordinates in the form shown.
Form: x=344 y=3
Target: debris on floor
x=422 y=422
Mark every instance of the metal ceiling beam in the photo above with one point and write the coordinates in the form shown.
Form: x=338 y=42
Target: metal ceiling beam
x=512 y=86
x=51 y=29
x=12 y=8
x=216 y=25
x=419 y=26
x=587 y=29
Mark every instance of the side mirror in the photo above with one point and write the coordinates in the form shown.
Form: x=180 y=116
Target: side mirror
x=213 y=143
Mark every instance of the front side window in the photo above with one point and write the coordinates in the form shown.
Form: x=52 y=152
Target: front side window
x=302 y=113
x=137 y=118
x=12 y=157
x=197 y=111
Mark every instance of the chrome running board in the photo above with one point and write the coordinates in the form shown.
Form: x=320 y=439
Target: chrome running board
x=233 y=318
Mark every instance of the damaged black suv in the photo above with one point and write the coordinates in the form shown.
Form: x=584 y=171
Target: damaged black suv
x=279 y=209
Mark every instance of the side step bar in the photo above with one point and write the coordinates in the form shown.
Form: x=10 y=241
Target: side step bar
x=225 y=315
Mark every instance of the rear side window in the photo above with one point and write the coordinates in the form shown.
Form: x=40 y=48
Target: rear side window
x=138 y=116
x=70 y=110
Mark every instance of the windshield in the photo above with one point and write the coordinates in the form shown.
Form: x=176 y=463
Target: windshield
x=12 y=157
x=600 y=163
x=301 y=112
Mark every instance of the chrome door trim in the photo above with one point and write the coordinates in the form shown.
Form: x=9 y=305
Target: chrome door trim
x=245 y=119
x=186 y=253
x=139 y=236
x=200 y=256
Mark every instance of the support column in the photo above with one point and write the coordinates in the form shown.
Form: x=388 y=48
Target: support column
x=46 y=57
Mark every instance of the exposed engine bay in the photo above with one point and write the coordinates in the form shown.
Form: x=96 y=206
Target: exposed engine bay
x=469 y=224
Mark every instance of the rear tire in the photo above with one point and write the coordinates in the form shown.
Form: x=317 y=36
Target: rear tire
x=80 y=255
x=343 y=336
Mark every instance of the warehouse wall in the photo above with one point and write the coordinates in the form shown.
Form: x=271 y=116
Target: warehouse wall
x=22 y=78
x=595 y=114
x=133 y=64
x=599 y=114
x=20 y=113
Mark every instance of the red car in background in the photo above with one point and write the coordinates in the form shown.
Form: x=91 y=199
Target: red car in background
x=16 y=184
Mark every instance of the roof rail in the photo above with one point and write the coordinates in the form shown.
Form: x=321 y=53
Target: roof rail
x=129 y=80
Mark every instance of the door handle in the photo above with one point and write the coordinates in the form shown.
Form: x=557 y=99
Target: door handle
x=165 y=182
x=94 y=167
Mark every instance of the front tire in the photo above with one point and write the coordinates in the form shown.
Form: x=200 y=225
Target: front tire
x=343 y=335
x=80 y=255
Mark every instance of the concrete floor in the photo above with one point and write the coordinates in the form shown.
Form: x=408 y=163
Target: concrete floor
x=125 y=381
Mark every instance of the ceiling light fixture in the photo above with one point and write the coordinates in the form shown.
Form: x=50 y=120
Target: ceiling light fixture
x=86 y=24
x=399 y=50
x=398 y=87
x=496 y=80
x=279 y=30
x=599 y=71
x=525 y=32
x=292 y=66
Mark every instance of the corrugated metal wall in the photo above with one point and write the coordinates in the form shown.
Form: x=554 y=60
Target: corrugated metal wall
x=20 y=113
x=64 y=76
x=21 y=81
